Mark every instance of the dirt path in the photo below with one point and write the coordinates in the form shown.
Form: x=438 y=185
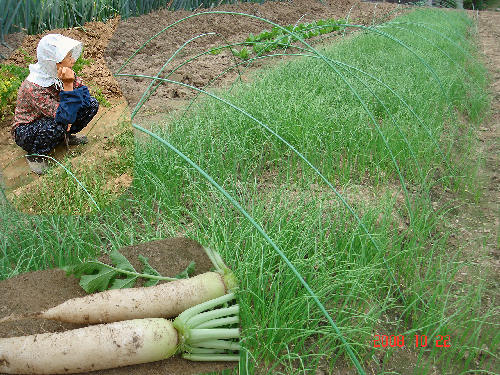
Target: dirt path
x=475 y=222
x=482 y=219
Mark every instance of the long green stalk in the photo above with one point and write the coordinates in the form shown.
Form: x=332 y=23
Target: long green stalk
x=429 y=42
x=298 y=153
x=248 y=62
x=267 y=238
x=36 y=16
x=72 y=175
x=208 y=344
x=205 y=317
x=432 y=29
x=408 y=205
x=313 y=50
x=405 y=139
x=211 y=357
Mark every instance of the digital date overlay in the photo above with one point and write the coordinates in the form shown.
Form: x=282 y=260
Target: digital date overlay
x=419 y=341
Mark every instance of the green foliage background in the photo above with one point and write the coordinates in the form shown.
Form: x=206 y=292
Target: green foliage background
x=11 y=77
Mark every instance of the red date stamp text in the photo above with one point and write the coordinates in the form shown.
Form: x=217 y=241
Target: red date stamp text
x=420 y=341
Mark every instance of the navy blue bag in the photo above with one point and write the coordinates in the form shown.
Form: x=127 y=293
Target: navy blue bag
x=70 y=103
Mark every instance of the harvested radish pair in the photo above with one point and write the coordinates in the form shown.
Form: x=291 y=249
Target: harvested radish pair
x=196 y=332
x=160 y=301
x=137 y=331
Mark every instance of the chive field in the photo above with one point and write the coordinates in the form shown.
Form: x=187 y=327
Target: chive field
x=316 y=182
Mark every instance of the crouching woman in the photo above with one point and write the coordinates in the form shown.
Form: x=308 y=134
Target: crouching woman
x=52 y=103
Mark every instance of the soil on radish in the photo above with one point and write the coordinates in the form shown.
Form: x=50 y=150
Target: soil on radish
x=39 y=290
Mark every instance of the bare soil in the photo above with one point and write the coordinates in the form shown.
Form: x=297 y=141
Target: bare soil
x=488 y=209
x=478 y=222
x=131 y=34
x=39 y=290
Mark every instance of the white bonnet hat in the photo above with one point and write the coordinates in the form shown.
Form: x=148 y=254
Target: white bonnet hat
x=52 y=49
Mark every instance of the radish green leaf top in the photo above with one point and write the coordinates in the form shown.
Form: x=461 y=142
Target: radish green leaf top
x=98 y=276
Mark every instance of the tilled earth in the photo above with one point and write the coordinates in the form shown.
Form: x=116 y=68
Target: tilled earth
x=131 y=34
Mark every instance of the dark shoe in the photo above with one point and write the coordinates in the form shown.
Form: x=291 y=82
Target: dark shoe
x=37 y=164
x=74 y=140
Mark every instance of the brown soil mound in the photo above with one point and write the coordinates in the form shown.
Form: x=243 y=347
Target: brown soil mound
x=95 y=37
x=132 y=33
x=36 y=291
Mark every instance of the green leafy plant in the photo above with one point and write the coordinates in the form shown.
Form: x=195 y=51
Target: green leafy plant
x=276 y=38
x=81 y=63
x=28 y=59
x=257 y=48
x=11 y=77
x=243 y=54
x=215 y=51
x=101 y=98
x=98 y=276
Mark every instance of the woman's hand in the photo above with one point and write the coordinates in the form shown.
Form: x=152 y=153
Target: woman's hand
x=65 y=74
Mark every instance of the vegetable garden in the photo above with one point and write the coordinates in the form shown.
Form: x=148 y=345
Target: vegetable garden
x=327 y=179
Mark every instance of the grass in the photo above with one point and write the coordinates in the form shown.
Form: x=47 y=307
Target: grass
x=80 y=184
x=356 y=141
